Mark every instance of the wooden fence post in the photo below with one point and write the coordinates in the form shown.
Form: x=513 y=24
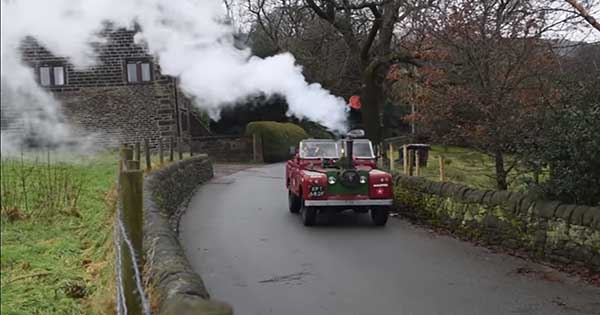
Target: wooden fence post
x=254 y=152
x=410 y=163
x=132 y=165
x=131 y=196
x=147 y=148
x=161 y=154
x=179 y=148
x=391 y=156
x=125 y=154
x=442 y=168
x=257 y=147
x=405 y=158
x=138 y=152
x=417 y=163
x=172 y=149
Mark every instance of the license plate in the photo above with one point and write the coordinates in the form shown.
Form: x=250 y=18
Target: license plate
x=317 y=191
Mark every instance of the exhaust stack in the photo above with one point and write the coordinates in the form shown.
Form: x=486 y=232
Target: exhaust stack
x=356 y=133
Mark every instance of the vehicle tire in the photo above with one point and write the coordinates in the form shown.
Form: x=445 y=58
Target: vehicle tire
x=379 y=216
x=309 y=215
x=294 y=202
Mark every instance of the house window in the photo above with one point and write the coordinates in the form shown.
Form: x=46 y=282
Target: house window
x=52 y=75
x=138 y=71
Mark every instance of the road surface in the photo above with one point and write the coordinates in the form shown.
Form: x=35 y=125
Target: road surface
x=253 y=253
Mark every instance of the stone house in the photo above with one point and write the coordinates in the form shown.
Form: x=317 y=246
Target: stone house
x=124 y=97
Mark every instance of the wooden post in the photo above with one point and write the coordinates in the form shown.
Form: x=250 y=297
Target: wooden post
x=259 y=150
x=410 y=163
x=132 y=165
x=417 y=163
x=391 y=156
x=254 y=148
x=125 y=154
x=442 y=168
x=161 y=154
x=131 y=195
x=138 y=152
x=179 y=148
x=172 y=149
x=405 y=158
x=148 y=160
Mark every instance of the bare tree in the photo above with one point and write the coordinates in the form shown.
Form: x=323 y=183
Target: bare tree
x=359 y=38
x=584 y=14
x=370 y=30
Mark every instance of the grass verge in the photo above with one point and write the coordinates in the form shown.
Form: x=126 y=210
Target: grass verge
x=469 y=167
x=57 y=229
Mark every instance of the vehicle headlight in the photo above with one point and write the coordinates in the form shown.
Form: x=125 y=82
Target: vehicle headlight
x=363 y=180
x=331 y=180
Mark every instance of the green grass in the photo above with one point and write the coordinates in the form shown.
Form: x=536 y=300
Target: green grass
x=466 y=166
x=57 y=236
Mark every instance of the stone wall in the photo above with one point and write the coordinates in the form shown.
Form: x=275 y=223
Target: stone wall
x=564 y=233
x=99 y=99
x=225 y=148
x=179 y=289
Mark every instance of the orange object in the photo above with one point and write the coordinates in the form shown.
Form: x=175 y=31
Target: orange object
x=355 y=102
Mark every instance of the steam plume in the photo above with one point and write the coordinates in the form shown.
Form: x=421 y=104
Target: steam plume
x=189 y=39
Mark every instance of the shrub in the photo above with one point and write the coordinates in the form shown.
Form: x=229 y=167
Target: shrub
x=277 y=138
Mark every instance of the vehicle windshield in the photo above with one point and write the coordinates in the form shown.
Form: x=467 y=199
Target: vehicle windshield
x=319 y=149
x=362 y=149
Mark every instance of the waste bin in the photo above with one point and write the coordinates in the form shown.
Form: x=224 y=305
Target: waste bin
x=423 y=153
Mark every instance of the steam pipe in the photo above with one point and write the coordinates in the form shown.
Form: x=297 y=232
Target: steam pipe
x=349 y=153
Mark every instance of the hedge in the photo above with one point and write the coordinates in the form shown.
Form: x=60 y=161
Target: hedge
x=277 y=138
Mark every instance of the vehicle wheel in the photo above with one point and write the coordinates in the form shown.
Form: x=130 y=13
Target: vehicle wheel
x=294 y=202
x=380 y=216
x=309 y=215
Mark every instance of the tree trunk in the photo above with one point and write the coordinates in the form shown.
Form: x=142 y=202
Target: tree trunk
x=500 y=172
x=371 y=96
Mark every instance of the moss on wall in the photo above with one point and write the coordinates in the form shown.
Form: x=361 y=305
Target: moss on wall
x=548 y=229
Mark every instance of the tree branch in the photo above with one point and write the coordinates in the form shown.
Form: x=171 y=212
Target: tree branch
x=317 y=9
x=364 y=52
x=585 y=14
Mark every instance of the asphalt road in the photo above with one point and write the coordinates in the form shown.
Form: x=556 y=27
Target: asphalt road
x=239 y=235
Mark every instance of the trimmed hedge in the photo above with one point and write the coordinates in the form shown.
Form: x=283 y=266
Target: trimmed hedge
x=277 y=138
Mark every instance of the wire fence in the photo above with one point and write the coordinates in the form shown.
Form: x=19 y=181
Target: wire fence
x=122 y=238
x=131 y=297
x=128 y=234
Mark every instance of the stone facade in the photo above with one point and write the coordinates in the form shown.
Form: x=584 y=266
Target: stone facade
x=568 y=234
x=101 y=100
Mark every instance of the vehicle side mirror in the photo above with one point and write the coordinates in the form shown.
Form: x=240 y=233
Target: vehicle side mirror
x=293 y=150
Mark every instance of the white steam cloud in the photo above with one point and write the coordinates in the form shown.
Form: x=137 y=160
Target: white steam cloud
x=189 y=39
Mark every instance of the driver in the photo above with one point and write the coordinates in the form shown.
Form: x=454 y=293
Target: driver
x=311 y=150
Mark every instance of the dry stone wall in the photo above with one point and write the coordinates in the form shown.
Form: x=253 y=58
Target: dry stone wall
x=225 y=148
x=564 y=233
x=179 y=289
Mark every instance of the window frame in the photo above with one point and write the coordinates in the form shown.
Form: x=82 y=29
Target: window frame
x=138 y=62
x=51 y=73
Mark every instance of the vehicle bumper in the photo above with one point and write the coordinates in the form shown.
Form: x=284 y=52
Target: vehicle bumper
x=349 y=203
